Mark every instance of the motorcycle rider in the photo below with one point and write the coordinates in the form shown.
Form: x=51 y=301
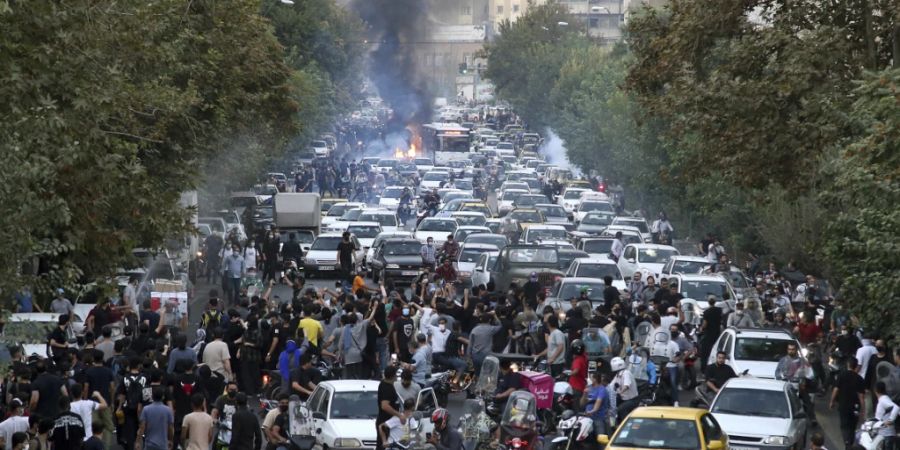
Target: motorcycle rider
x=444 y=437
x=795 y=369
x=716 y=376
x=625 y=386
x=432 y=200
x=405 y=206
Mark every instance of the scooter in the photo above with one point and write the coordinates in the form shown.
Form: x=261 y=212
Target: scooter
x=575 y=431
x=868 y=435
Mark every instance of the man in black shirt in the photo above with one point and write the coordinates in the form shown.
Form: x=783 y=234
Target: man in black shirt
x=718 y=373
x=68 y=428
x=401 y=334
x=305 y=378
x=388 y=401
x=531 y=288
x=610 y=292
x=507 y=383
x=58 y=340
x=291 y=249
x=246 y=432
x=345 y=250
x=46 y=391
x=849 y=393
x=711 y=326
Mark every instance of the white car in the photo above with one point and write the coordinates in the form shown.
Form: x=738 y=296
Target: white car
x=365 y=232
x=322 y=255
x=423 y=165
x=571 y=287
x=341 y=414
x=390 y=197
x=761 y=414
x=387 y=219
x=637 y=222
x=597 y=268
x=320 y=148
x=385 y=165
x=507 y=185
x=630 y=235
x=506 y=199
x=490 y=144
x=586 y=206
x=648 y=258
x=469 y=218
x=755 y=350
x=700 y=287
x=684 y=264
x=469 y=255
x=481 y=273
x=543 y=234
x=598 y=248
x=433 y=179
x=435 y=228
x=30 y=330
x=337 y=210
x=464 y=231
x=570 y=199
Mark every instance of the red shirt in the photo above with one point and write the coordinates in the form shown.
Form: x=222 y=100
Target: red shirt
x=807 y=332
x=579 y=381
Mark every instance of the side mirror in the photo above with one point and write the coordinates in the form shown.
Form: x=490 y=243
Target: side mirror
x=318 y=415
x=715 y=445
x=631 y=260
x=602 y=439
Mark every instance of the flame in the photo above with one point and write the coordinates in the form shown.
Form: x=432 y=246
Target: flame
x=411 y=153
x=398 y=153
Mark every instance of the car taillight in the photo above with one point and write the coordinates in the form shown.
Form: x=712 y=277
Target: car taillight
x=601 y=187
x=517 y=443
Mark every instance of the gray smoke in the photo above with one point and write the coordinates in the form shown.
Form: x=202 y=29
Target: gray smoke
x=398 y=26
x=554 y=151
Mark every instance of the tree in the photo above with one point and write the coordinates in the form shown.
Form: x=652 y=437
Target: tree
x=863 y=238
x=110 y=110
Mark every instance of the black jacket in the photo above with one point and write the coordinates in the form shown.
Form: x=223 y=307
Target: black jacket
x=245 y=430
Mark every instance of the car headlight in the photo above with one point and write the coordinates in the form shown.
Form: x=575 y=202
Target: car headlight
x=311 y=261
x=776 y=440
x=392 y=266
x=347 y=443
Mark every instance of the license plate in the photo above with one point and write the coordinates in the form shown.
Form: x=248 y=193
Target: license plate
x=326 y=267
x=409 y=273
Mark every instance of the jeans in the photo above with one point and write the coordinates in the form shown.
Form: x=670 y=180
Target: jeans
x=234 y=290
x=477 y=360
x=383 y=354
x=673 y=382
x=450 y=361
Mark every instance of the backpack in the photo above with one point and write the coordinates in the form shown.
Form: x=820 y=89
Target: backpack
x=134 y=390
x=211 y=320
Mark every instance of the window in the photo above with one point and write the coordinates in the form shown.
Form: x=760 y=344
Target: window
x=467 y=11
x=629 y=253
x=515 y=8
x=593 y=22
x=499 y=9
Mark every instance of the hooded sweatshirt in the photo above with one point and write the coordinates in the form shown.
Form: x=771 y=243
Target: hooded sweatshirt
x=289 y=359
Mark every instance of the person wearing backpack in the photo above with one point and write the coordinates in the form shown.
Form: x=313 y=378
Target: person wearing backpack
x=212 y=317
x=182 y=387
x=130 y=401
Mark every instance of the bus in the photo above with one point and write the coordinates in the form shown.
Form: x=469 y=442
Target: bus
x=444 y=142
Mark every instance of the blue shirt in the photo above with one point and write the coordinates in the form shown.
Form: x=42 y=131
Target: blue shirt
x=157 y=418
x=24 y=300
x=422 y=361
x=595 y=392
x=234 y=265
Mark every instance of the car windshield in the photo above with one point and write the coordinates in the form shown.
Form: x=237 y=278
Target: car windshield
x=473 y=220
x=351 y=215
x=572 y=194
x=455 y=195
x=386 y=220
x=533 y=235
x=263 y=213
x=512 y=196
x=364 y=232
x=438 y=225
x=406 y=167
x=598 y=246
x=752 y=402
x=737 y=279
x=760 y=349
x=214 y=224
x=339 y=209
x=346 y=405
x=571 y=290
x=639 y=224
x=535 y=255
x=476 y=208
x=597 y=219
x=436 y=176
x=505 y=146
x=465 y=185
x=530 y=200
x=402 y=248
x=387 y=163
x=470 y=254
x=688 y=266
x=655 y=255
x=676 y=434
x=699 y=290
x=551 y=211
x=526 y=216
x=595 y=206
x=486 y=238
x=598 y=271
x=423 y=162
x=392 y=193
x=326 y=243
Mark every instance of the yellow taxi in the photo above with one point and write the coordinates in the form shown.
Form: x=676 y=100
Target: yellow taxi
x=477 y=207
x=526 y=217
x=667 y=428
x=583 y=184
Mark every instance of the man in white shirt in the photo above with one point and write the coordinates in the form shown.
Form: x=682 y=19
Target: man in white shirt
x=625 y=386
x=886 y=411
x=15 y=423
x=617 y=247
x=85 y=408
x=217 y=357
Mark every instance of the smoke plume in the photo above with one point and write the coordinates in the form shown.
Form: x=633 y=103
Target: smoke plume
x=397 y=26
x=554 y=151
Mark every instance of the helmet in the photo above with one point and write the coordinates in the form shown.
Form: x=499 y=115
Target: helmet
x=440 y=418
x=577 y=347
x=616 y=364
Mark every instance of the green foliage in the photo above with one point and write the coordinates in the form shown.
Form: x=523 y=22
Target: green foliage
x=110 y=110
x=864 y=238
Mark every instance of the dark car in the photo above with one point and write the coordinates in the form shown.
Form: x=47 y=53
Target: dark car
x=258 y=218
x=516 y=263
x=397 y=260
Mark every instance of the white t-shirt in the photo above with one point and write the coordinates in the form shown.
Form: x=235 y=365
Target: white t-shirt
x=214 y=356
x=627 y=386
x=11 y=426
x=85 y=409
x=399 y=432
x=439 y=339
x=249 y=258
x=886 y=410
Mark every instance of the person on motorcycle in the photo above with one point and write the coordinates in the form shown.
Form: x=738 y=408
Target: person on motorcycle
x=444 y=437
x=405 y=205
x=396 y=430
x=507 y=383
x=717 y=374
x=625 y=386
x=432 y=200
x=578 y=377
x=796 y=370
x=450 y=248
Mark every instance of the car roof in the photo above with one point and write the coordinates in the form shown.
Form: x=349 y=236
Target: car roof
x=763 y=384
x=654 y=246
x=547 y=205
x=330 y=235
x=547 y=227
x=351 y=385
x=380 y=211
x=692 y=277
x=668 y=412
x=766 y=333
x=466 y=213
x=34 y=317
x=569 y=280
x=474 y=227
x=363 y=224
x=597 y=261
x=481 y=246
x=688 y=258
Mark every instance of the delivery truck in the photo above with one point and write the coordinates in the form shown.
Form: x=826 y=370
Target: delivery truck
x=299 y=213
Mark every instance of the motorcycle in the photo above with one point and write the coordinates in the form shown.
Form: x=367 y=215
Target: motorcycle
x=475 y=424
x=414 y=439
x=868 y=435
x=518 y=426
x=563 y=401
x=574 y=432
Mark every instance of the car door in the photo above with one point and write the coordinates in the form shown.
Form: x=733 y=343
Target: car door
x=628 y=261
x=799 y=418
x=480 y=274
x=302 y=421
x=712 y=431
x=426 y=403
